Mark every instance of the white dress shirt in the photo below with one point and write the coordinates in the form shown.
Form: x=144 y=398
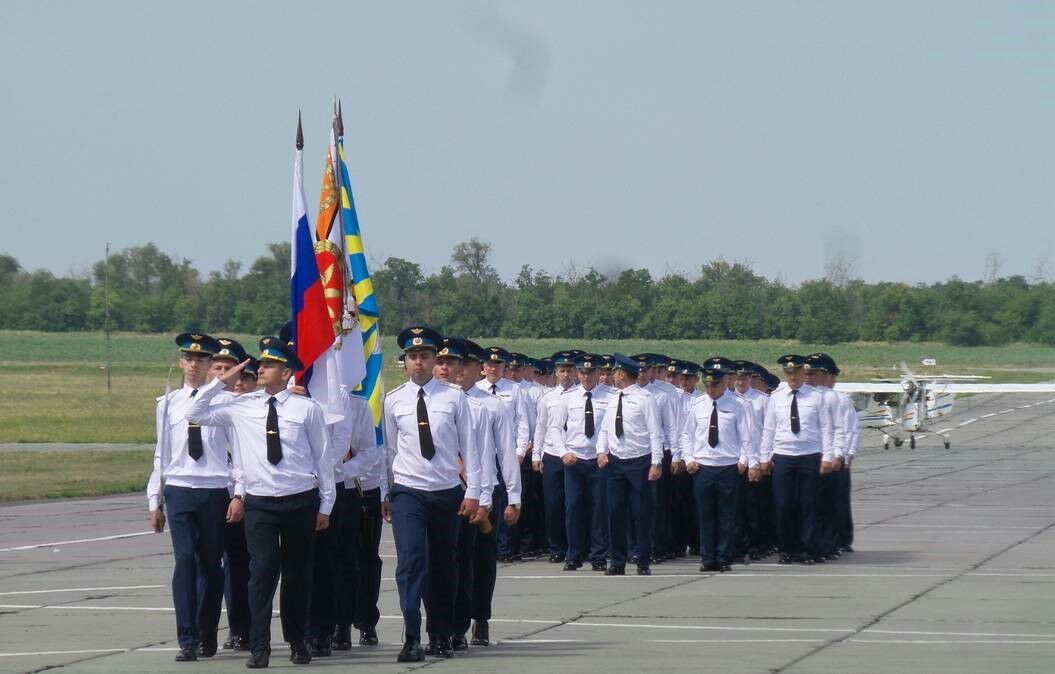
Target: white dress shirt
x=736 y=434
x=756 y=401
x=846 y=429
x=485 y=446
x=815 y=433
x=642 y=434
x=515 y=397
x=367 y=466
x=531 y=395
x=667 y=414
x=210 y=471
x=836 y=421
x=307 y=457
x=547 y=438
x=504 y=445
x=451 y=424
x=572 y=420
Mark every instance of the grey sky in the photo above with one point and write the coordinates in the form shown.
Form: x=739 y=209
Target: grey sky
x=916 y=136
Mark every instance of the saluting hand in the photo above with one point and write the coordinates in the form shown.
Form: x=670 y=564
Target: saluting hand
x=231 y=376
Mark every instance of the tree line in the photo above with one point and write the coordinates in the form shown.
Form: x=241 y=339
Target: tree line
x=149 y=291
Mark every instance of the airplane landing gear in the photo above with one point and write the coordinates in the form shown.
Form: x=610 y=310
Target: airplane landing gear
x=912 y=442
x=886 y=441
x=898 y=442
x=946 y=442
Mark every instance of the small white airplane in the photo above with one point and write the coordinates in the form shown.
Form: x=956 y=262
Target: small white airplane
x=906 y=406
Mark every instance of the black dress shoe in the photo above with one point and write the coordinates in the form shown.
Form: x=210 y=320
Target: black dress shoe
x=633 y=559
x=556 y=559
x=481 y=634
x=430 y=650
x=848 y=548
x=207 y=647
x=367 y=637
x=258 y=660
x=444 y=648
x=189 y=654
x=724 y=567
x=459 y=643
x=236 y=643
x=615 y=571
x=644 y=571
x=342 y=638
x=411 y=651
x=598 y=566
x=806 y=559
x=572 y=566
x=709 y=566
x=299 y=653
x=786 y=559
x=321 y=648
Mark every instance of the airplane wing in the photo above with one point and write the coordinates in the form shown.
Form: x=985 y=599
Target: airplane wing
x=958 y=387
x=869 y=387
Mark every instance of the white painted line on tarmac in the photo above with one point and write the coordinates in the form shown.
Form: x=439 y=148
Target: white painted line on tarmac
x=714 y=628
x=1004 y=635
x=542 y=641
x=79 y=540
x=84 y=589
x=85 y=652
x=1006 y=411
x=958 y=642
x=735 y=641
x=986 y=416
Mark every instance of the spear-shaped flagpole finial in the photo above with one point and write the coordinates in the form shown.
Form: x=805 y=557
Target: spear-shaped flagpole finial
x=340 y=119
x=300 y=133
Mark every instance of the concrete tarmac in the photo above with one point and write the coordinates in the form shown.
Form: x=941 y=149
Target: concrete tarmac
x=954 y=571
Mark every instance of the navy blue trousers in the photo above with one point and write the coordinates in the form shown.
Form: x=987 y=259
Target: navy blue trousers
x=334 y=567
x=844 y=520
x=717 y=490
x=683 y=512
x=236 y=579
x=485 y=563
x=796 y=482
x=280 y=535
x=759 y=510
x=586 y=493
x=196 y=524
x=664 y=543
x=827 y=505
x=553 y=491
x=629 y=489
x=368 y=585
x=425 y=526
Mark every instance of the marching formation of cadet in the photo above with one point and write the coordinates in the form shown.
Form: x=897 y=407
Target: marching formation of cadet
x=487 y=456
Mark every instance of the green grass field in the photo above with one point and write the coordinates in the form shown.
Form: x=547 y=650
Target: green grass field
x=54 y=388
x=55 y=383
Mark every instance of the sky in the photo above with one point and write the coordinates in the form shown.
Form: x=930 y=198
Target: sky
x=912 y=140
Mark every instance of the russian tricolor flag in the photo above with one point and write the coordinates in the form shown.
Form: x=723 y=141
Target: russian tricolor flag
x=312 y=327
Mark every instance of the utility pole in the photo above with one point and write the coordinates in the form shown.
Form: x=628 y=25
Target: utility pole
x=106 y=314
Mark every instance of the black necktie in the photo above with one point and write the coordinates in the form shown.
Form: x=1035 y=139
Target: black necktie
x=194 y=436
x=712 y=432
x=428 y=450
x=274 y=444
x=494 y=389
x=795 y=411
x=619 y=417
x=589 y=414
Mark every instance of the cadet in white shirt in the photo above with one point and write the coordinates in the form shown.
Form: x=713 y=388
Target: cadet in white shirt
x=502 y=483
x=366 y=484
x=716 y=434
x=449 y=368
x=546 y=454
x=578 y=423
x=686 y=526
x=819 y=368
x=429 y=435
x=284 y=466
x=758 y=499
x=495 y=383
x=190 y=480
x=667 y=401
x=630 y=447
x=797 y=438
